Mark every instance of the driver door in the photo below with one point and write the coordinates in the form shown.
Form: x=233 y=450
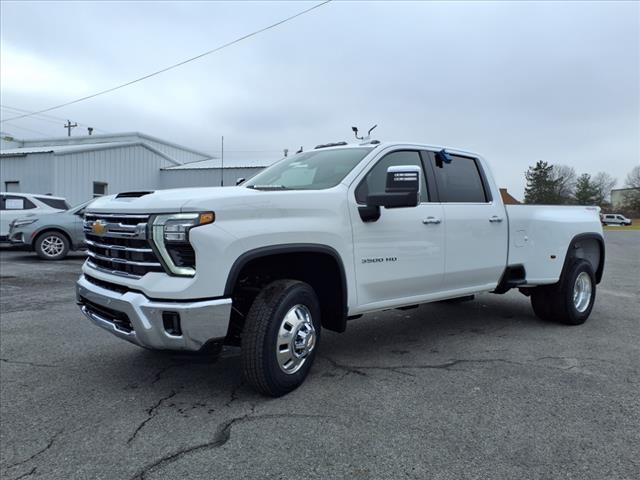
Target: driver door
x=401 y=254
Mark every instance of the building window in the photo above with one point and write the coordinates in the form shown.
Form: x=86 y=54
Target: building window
x=12 y=187
x=99 y=189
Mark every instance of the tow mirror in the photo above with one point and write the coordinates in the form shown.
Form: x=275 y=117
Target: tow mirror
x=402 y=190
x=240 y=180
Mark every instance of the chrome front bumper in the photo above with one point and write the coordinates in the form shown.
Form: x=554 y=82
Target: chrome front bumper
x=200 y=321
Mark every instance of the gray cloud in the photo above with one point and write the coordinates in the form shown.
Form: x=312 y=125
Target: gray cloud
x=516 y=82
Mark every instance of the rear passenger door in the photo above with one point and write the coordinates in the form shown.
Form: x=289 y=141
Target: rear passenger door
x=475 y=224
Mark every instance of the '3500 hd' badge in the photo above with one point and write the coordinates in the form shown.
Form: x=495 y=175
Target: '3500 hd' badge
x=380 y=260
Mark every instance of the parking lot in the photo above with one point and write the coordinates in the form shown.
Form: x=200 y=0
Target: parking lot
x=481 y=389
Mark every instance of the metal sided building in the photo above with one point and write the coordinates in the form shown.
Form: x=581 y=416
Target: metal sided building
x=82 y=167
x=206 y=173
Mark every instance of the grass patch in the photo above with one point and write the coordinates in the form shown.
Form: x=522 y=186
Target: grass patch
x=635 y=225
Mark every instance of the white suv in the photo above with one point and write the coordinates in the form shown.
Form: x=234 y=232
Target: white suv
x=14 y=205
x=615 y=219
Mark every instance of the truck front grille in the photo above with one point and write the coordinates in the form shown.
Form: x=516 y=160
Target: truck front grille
x=118 y=244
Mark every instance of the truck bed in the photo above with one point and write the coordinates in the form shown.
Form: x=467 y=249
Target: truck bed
x=540 y=235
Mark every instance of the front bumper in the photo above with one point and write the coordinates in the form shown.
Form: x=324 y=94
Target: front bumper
x=17 y=238
x=134 y=317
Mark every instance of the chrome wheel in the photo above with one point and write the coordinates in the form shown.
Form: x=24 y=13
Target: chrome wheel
x=52 y=246
x=582 y=289
x=296 y=339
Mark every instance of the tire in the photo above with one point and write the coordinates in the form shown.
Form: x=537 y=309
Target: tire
x=284 y=311
x=52 y=246
x=569 y=301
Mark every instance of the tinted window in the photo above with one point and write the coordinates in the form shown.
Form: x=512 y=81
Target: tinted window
x=54 y=202
x=313 y=170
x=376 y=179
x=459 y=181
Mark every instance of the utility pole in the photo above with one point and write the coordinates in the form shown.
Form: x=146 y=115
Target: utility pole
x=222 y=162
x=69 y=126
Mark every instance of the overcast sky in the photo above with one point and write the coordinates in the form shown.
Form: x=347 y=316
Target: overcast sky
x=516 y=82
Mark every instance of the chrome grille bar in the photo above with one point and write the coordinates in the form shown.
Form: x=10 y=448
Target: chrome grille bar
x=117 y=247
x=123 y=261
x=113 y=272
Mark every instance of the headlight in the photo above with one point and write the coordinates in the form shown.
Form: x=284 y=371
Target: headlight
x=21 y=222
x=170 y=236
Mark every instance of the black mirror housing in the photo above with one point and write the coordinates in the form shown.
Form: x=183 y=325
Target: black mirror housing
x=393 y=200
x=402 y=188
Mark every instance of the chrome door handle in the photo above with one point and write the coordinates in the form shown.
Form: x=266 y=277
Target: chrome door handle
x=495 y=219
x=431 y=221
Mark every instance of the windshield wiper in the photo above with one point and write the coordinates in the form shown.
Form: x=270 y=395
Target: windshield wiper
x=267 y=187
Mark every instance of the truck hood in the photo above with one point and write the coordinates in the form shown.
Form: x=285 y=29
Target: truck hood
x=185 y=199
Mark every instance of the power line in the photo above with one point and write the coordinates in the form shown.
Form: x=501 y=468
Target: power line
x=44 y=118
x=36 y=117
x=27 y=129
x=171 y=67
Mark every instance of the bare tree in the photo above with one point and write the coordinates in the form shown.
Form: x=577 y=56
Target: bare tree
x=633 y=178
x=604 y=183
x=632 y=197
x=565 y=180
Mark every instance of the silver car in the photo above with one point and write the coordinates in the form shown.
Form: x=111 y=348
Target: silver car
x=50 y=235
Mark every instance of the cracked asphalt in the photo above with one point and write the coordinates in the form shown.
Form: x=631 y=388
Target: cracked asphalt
x=476 y=390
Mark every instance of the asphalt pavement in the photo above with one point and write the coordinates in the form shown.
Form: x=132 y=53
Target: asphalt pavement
x=477 y=390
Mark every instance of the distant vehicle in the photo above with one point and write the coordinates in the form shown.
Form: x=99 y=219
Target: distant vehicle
x=14 y=205
x=615 y=219
x=50 y=235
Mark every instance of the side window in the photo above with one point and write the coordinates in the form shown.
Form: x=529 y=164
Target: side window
x=376 y=179
x=460 y=180
x=54 y=203
x=12 y=202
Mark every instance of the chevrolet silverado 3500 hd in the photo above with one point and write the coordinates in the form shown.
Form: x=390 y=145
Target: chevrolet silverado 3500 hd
x=321 y=237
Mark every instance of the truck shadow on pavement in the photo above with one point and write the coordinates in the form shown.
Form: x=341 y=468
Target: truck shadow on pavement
x=440 y=335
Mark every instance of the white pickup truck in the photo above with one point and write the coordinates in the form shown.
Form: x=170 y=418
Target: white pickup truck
x=320 y=238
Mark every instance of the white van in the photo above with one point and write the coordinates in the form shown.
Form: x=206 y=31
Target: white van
x=615 y=219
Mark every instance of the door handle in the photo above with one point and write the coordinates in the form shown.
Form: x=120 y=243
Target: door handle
x=431 y=221
x=495 y=219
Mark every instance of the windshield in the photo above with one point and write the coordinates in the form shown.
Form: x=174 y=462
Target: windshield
x=313 y=170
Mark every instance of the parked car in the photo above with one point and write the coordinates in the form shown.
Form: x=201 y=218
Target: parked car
x=14 y=205
x=50 y=235
x=320 y=238
x=614 y=219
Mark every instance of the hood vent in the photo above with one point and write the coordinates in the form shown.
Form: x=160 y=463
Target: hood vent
x=133 y=194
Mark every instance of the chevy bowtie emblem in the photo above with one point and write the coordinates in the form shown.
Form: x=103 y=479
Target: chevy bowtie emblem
x=98 y=227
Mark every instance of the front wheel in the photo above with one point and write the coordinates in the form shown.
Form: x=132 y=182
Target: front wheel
x=569 y=301
x=281 y=337
x=52 y=246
